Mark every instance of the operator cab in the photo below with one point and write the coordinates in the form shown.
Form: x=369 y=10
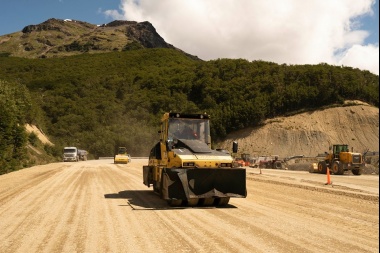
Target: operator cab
x=184 y=127
x=339 y=148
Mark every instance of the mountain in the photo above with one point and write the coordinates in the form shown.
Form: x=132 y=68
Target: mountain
x=57 y=38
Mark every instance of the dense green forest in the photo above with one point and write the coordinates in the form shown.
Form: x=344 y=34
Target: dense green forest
x=101 y=101
x=16 y=109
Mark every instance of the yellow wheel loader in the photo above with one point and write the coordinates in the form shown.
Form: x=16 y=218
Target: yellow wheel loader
x=340 y=159
x=121 y=156
x=184 y=170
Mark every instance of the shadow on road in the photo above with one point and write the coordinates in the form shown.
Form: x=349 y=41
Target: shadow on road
x=148 y=200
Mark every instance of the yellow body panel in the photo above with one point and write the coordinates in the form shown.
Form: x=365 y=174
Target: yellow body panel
x=121 y=156
x=121 y=159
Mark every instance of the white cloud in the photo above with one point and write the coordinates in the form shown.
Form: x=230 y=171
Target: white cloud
x=286 y=31
x=362 y=57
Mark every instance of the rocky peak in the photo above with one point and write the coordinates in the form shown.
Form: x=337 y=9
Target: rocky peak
x=50 y=24
x=58 y=38
x=146 y=34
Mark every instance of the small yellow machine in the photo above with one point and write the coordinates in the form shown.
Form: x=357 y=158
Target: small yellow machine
x=339 y=160
x=121 y=156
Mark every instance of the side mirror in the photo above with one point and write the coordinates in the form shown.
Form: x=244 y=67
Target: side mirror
x=169 y=145
x=234 y=147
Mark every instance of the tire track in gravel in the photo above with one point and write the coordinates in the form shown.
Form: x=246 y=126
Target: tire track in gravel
x=117 y=230
x=29 y=212
x=354 y=194
x=327 y=217
x=61 y=210
x=177 y=235
x=164 y=238
x=97 y=206
x=196 y=233
x=28 y=179
x=279 y=207
x=119 y=221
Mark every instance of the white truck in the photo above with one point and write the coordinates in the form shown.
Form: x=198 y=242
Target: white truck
x=70 y=154
x=82 y=154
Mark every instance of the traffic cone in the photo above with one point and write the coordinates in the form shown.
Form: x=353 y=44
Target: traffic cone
x=328 y=176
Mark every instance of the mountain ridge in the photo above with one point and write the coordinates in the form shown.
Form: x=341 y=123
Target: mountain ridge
x=58 y=38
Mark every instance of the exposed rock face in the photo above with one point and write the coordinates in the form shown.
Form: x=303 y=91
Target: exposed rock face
x=146 y=34
x=41 y=27
x=119 y=23
x=52 y=25
x=56 y=38
x=312 y=133
x=45 y=26
x=143 y=32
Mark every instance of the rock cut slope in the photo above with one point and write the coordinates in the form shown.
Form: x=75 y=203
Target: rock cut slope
x=311 y=133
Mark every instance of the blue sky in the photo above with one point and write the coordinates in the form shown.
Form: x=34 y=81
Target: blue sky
x=16 y=14
x=338 y=32
x=371 y=23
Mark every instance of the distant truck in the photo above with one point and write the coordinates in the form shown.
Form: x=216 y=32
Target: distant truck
x=82 y=154
x=70 y=154
x=73 y=154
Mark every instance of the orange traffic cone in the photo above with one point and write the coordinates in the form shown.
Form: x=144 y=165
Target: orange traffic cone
x=328 y=176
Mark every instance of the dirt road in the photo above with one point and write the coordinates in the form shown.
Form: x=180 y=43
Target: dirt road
x=97 y=206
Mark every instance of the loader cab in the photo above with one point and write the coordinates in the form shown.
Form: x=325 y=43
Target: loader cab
x=339 y=148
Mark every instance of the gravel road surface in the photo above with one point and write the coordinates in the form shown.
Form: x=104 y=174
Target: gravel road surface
x=97 y=206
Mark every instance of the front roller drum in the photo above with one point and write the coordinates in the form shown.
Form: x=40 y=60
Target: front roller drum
x=210 y=186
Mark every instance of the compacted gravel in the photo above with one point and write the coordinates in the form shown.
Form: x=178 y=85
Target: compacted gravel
x=97 y=206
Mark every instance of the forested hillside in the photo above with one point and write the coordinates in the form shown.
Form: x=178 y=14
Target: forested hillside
x=98 y=102
x=16 y=109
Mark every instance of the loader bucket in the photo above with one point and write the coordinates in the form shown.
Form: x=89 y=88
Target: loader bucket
x=203 y=183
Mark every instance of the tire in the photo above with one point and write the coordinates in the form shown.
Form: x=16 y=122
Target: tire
x=357 y=172
x=192 y=202
x=174 y=202
x=312 y=167
x=156 y=187
x=337 y=168
x=278 y=165
x=222 y=201
x=206 y=201
x=322 y=167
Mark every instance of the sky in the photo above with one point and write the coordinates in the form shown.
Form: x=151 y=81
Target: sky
x=336 y=32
